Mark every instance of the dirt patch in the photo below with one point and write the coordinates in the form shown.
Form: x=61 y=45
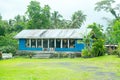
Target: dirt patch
x=97 y=71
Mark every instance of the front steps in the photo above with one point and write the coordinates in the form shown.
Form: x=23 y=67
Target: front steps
x=42 y=55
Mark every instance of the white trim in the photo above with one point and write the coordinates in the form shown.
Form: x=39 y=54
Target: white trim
x=48 y=43
x=68 y=43
x=36 y=43
x=41 y=43
x=29 y=42
x=54 y=43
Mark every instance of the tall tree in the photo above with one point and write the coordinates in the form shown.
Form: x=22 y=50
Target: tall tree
x=55 y=19
x=96 y=31
x=33 y=12
x=39 y=17
x=65 y=24
x=112 y=29
x=106 y=5
x=3 y=26
x=78 y=18
x=20 y=22
x=116 y=31
x=17 y=24
x=33 y=9
x=46 y=16
x=98 y=40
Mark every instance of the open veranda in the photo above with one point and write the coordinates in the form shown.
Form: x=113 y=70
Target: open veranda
x=99 y=68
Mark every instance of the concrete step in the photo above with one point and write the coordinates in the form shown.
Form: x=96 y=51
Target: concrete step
x=42 y=55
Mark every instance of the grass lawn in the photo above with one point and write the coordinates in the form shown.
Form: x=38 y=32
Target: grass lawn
x=99 y=68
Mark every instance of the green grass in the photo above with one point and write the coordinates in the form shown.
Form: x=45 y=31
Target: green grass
x=99 y=68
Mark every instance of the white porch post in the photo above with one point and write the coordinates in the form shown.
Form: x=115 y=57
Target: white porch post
x=41 y=43
x=29 y=42
x=48 y=43
x=54 y=43
x=36 y=43
x=61 y=43
x=68 y=43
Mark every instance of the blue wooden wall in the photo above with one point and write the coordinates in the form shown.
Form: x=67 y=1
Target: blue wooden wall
x=78 y=47
x=23 y=47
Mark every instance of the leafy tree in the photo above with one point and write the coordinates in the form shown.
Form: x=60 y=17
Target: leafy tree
x=116 y=31
x=65 y=24
x=8 y=40
x=96 y=37
x=111 y=31
x=78 y=19
x=8 y=43
x=106 y=5
x=17 y=24
x=46 y=16
x=39 y=17
x=96 y=31
x=109 y=36
x=33 y=12
x=98 y=48
x=3 y=27
x=33 y=9
x=98 y=40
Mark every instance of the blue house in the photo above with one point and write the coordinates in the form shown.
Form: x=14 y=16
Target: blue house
x=51 y=40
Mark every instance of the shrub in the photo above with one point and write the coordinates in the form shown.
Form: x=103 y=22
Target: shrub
x=114 y=52
x=60 y=55
x=98 y=48
x=8 y=49
x=63 y=55
x=86 y=53
x=118 y=49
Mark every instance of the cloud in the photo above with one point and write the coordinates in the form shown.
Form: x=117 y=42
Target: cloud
x=10 y=8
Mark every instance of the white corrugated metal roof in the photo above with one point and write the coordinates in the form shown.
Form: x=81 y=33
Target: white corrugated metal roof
x=51 y=33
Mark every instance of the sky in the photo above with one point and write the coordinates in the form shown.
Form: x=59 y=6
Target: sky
x=10 y=8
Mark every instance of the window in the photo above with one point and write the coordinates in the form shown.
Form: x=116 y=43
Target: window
x=58 y=43
x=51 y=43
x=33 y=43
x=39 y=43
x=65 y=43
x=45 y=43
x=72 y=43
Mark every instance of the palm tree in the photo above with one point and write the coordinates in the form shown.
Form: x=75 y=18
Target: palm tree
x=78 y=19
x=55 y=18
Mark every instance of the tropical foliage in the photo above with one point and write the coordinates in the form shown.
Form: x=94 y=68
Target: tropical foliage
x=78 y=19
x=96 y=38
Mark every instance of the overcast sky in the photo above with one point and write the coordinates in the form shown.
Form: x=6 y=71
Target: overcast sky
x=10 y=8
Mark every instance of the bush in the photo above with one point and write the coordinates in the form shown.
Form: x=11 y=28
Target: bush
x=98 y=48
x=63 y=55
x=8 y=49
x=86 y=53
x=118 y=49
x=113 y=52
